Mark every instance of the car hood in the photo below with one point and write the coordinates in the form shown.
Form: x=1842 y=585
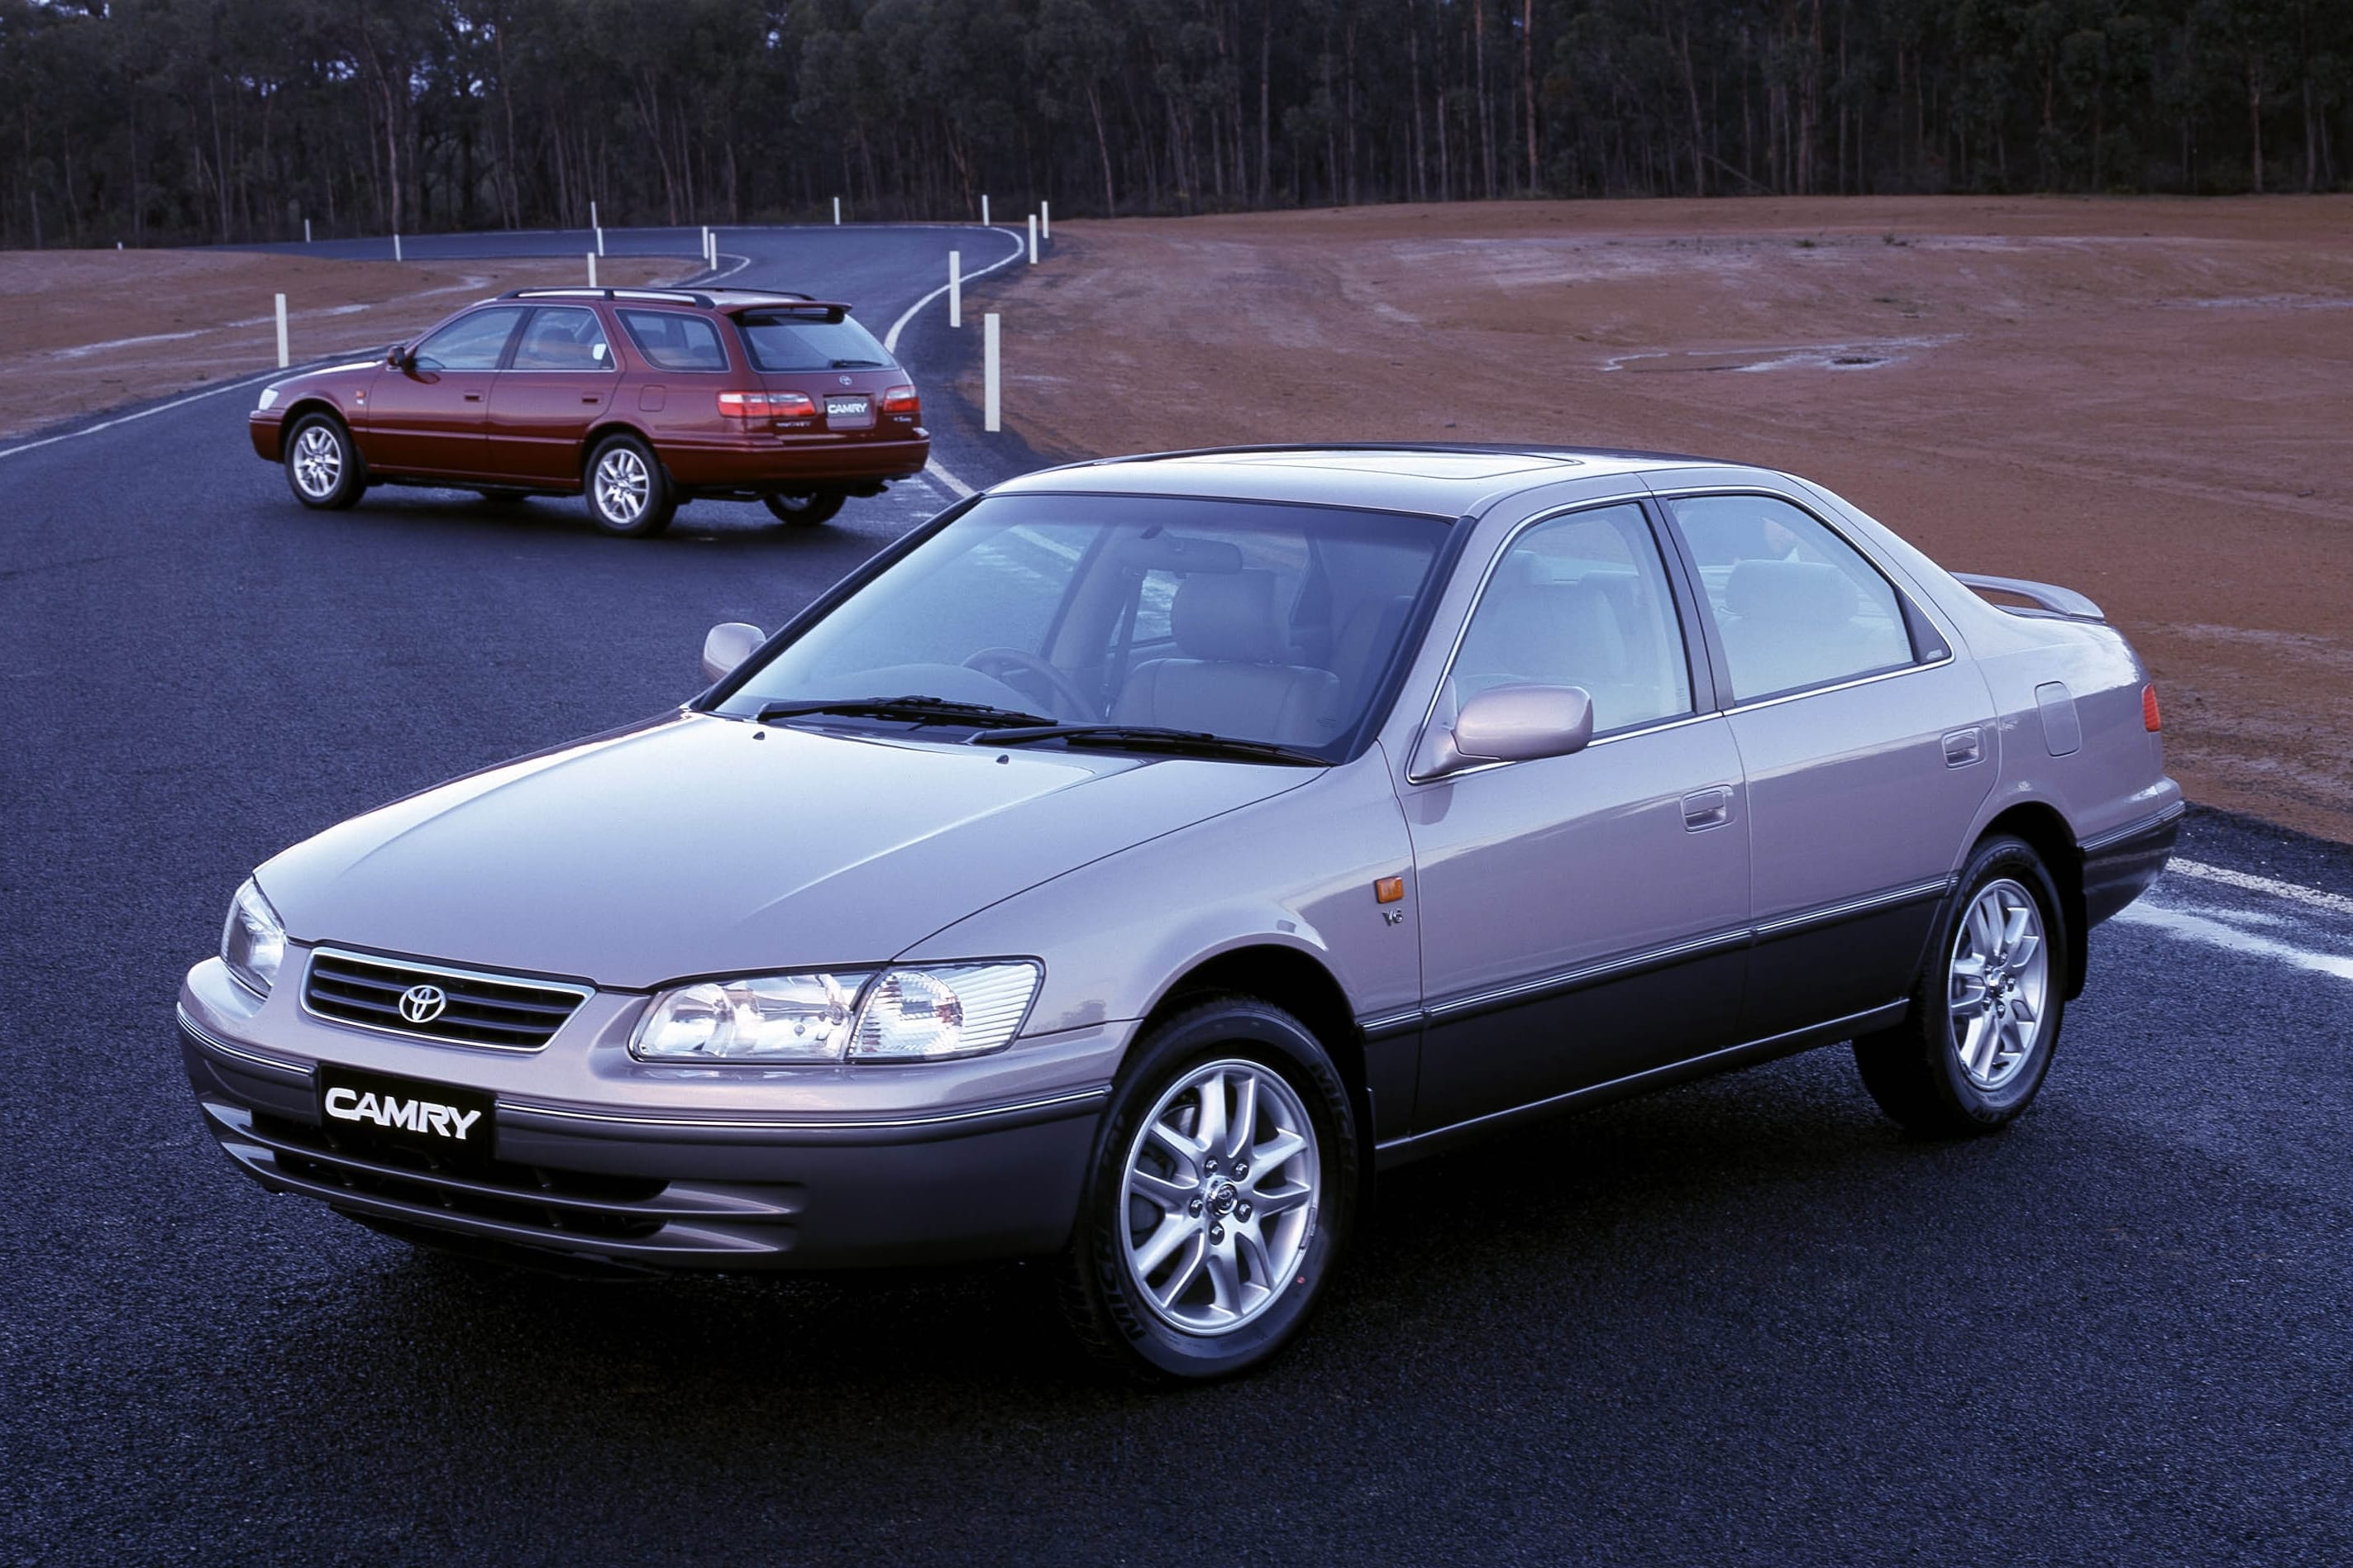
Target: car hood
x=310 y=380
x=697 y=845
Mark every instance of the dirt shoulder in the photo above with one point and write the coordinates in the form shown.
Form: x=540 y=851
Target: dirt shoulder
x=83 y=331
x=2146 y=399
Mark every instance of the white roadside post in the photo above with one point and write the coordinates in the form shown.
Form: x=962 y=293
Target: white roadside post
x=282 y=361
x=1033 y=240
x=983 y=212
x=988 y=400
x=955 y=289
x=1046 y=220
x=395 y=247
x=591 y=269
x=306 y=231
x=837 y=212
x=706 y=245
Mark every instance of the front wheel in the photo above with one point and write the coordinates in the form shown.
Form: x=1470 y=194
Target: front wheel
x=1985 y=1016
x=628 y=494
x=323 y=465
x=1222 y=1192
x=805 y=509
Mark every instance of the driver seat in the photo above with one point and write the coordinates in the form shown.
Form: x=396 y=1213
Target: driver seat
x=1233 y=679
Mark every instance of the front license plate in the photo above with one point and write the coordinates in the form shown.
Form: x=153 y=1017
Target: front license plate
x=849 y=411
x=376 y=1107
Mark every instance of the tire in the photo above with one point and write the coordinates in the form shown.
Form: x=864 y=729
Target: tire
x=628 y=492
x=805 y=509
x=1173 y=1312
x=322 y=464
x=1968 y=1058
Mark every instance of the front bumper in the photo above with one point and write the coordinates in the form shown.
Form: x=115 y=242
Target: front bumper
x=663 y=1187
x=267 y=428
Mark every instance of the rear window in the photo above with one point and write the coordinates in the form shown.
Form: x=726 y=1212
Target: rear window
x=805 y=339
x=673 y=342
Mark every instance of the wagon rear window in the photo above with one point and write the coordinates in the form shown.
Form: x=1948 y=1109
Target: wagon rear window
x=805 y=340
x=673 y=341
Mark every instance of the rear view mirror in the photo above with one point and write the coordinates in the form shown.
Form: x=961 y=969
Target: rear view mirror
x=1508 y=724
x=727 y=644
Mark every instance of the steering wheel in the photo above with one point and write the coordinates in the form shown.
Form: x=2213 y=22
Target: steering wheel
x=1000 y=662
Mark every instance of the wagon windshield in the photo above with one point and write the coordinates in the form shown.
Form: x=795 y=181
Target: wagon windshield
x=1264 y=623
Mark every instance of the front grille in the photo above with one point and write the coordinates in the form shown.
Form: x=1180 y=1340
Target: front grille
x=561 y=1203
x=477 y=1009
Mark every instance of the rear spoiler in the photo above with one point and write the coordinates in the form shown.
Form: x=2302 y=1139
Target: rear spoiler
x=2064 y=603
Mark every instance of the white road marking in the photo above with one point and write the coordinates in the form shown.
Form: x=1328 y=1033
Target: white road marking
x=955 y=487
x=162 y=407
x=2335 y=903
x=2215 y=933
x=891 y=338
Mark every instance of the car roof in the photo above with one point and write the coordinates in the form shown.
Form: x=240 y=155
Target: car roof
x=726 y=299
x=1445 y=479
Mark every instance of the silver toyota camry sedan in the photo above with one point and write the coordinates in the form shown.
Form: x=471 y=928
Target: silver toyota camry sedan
x=1126 y=865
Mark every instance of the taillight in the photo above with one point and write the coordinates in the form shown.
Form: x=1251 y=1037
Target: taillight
x=2150 y=718
x=767 y=405
x=901 y=400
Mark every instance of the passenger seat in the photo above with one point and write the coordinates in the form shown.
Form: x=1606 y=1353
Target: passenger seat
x=1233 y=679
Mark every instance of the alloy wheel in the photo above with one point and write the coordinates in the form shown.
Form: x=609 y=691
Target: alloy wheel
x=1998 y=982
x=623 y=485
x=318 y=461
x=1219 y=1201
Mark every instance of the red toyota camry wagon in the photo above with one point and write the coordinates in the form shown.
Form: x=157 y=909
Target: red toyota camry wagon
x=638 y=398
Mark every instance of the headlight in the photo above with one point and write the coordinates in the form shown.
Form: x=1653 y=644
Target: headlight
x=895 y=1014
x=269 y=398
x=253 y=942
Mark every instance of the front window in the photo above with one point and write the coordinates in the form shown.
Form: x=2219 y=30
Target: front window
x=1257 y=623
x=786 y=340
x=473 y=342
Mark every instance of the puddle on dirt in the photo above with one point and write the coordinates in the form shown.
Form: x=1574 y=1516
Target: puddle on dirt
x=1871 y=355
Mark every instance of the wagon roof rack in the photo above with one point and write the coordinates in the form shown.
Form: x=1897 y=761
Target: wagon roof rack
x=1465 y=448
x=689 y=296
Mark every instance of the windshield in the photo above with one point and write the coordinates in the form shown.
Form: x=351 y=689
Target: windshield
x=805 y=339
x=1254 y=622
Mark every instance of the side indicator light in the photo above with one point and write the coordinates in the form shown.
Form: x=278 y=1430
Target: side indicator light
x=2150 y=718
x=1388 y=889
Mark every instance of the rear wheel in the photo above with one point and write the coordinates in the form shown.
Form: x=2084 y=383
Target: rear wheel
x=1222 y=1188
x=323 y=465
x=805 y=509
x=1986 y=1015
x=628 y=494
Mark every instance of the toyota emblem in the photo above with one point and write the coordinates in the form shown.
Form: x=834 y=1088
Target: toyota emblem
x=423 y=1004
x=845 y=381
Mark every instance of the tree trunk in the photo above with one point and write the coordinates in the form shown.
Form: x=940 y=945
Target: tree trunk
x=1094 y=103
x=1265 y=109
x=2255 y=118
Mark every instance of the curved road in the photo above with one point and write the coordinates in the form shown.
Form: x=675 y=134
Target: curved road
x=1743 y=1321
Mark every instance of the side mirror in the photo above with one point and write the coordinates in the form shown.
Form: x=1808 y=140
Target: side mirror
x=727 y=644
x=398 y=357
x=1508 y=724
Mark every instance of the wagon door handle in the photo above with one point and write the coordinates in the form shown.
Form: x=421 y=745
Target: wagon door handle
x=1963 y=747
x=473 y=397
x=1703 y=809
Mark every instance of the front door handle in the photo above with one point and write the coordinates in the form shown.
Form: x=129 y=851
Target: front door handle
x=473 y=397
x=1706 y=808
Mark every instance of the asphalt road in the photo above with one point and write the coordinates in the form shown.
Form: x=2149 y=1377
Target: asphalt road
x=1742 y=1322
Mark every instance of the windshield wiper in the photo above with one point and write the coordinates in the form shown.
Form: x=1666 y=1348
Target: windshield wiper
x=857 y=364
x=914 y=709
x=1154 y=738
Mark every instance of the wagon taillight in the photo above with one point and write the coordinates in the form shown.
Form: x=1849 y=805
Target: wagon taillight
x=901 y=400
x=750 y=405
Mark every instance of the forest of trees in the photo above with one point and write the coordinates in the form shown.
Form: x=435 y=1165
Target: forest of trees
x=158 y=121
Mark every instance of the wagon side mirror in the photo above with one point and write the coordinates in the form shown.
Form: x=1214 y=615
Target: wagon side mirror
x=727 y=644
x=1508 y=724
x=399 y=356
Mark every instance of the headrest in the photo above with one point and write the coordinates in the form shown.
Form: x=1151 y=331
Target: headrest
x=1787 y=591
x=1228 y=616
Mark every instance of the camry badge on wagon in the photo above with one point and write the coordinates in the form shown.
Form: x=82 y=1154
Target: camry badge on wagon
x=423 y=1004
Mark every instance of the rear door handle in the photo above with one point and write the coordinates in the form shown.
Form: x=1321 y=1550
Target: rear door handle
x=1963 y=747
x=473 y=397
x=1706 y=808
